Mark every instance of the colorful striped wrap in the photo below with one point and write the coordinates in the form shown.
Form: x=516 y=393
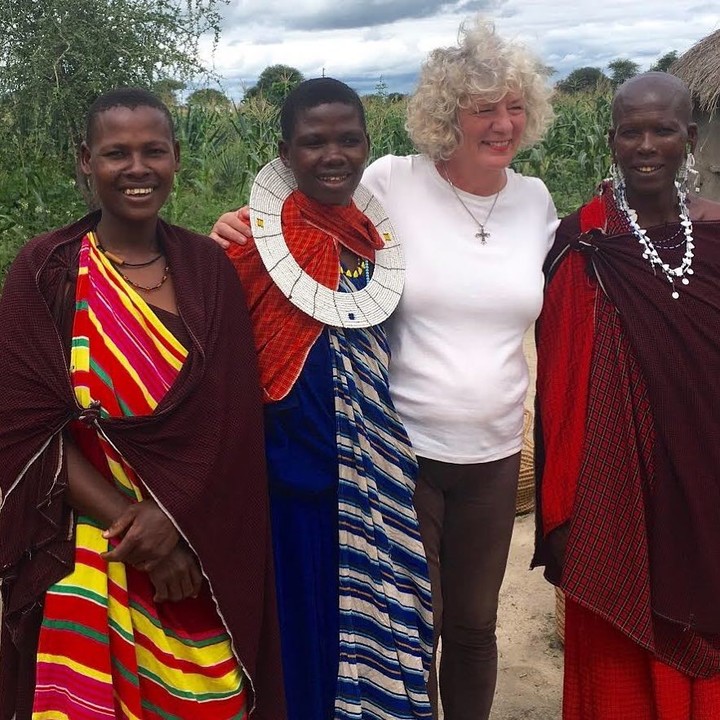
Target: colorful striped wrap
x=385 y=607
x=106 y=649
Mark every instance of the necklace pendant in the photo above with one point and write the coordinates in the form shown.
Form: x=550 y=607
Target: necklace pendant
x=482 y=234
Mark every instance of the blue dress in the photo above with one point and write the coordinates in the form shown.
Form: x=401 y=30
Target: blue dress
x=300 y=434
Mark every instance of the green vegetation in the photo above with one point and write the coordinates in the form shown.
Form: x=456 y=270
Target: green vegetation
x=223 y=147
x=274 y=83
x=574 y=156
x=57 y=56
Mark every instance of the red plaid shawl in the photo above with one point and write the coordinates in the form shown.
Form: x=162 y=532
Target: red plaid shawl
x=628 y=390
x=284 y=334
x=200 y=453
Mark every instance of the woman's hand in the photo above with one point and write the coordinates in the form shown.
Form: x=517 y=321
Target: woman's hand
x=148 y=536
x=177 y=577
x=557 y=541
x=232 y=227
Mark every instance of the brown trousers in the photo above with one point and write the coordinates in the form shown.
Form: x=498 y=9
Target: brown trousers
x=466 y=515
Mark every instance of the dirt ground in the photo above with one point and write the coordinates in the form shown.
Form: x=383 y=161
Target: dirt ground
x=530 y=656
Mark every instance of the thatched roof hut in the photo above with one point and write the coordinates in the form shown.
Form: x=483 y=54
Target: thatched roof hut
x=699 y=68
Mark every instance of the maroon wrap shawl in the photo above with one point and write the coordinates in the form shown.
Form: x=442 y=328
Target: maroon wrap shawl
x=201 y=454
x=644 y=536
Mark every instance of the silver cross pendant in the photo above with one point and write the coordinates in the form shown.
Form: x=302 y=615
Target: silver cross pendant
x=483 y=234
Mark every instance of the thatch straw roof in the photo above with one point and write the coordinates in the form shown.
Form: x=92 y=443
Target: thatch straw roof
x=699 y=68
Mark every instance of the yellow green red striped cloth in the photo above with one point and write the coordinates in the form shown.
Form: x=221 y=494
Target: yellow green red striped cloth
x=106 y=649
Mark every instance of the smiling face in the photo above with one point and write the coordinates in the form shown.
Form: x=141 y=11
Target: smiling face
x=327 y=151
x=651 y=135
x=491 y=132
x=131 y=159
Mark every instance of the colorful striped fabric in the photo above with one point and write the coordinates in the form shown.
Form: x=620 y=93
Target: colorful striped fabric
x=385 y=607
x=106 y=649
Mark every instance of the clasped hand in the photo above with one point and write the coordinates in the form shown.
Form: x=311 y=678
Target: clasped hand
x=151 y=543
x=148 y=536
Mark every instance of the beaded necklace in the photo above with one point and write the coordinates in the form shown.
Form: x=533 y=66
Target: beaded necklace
x=650 y=252
x=147 y=288
x=363 y=267
x=119 y=262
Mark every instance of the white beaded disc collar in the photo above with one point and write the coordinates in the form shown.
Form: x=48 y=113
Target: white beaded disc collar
x=369 y=306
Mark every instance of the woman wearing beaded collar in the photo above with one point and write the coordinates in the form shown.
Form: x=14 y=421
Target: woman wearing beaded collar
x=628 y=457
x=322 y=273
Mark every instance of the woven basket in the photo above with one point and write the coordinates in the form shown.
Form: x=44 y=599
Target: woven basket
x=560 y=615
x=526 y=483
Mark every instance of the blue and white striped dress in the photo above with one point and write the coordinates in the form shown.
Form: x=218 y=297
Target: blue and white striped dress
x=385 y=607
x=345 y=533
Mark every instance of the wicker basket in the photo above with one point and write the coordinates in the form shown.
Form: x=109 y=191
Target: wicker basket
x=560 y=615
x=526 y=483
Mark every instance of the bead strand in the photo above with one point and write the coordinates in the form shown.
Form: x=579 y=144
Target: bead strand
x=650 y=252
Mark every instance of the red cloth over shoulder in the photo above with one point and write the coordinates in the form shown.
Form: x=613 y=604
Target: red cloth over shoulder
x=565 y=343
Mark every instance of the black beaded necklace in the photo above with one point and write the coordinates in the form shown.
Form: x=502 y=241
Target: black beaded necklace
x=121 y=262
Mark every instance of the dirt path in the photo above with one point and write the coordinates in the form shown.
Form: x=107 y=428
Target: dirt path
x=530 y=656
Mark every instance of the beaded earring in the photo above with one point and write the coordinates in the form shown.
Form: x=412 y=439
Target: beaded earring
x=687 y=172
x=692 y=172
x=617 y=177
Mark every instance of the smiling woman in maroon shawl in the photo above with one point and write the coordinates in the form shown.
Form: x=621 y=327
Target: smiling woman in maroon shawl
x=130 y=401
x=628 y=397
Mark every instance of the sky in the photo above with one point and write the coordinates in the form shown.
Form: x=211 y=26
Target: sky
x=364 y=42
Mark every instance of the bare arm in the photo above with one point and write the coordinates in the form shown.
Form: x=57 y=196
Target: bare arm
x=89 y=492
x=150 y=541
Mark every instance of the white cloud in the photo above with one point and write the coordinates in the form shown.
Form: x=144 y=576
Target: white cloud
x=361 y=40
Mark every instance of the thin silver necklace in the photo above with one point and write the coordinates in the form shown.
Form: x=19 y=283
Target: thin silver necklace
x=482 y=233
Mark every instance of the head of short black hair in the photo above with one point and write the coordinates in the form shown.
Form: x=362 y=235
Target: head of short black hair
x=314 y=92
x=127 y=97
x=671 y=87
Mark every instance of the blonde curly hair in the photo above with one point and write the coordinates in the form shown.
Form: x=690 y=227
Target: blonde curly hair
x=482 y=65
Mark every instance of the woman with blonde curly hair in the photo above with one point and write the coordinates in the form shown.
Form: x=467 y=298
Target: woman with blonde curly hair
x=475 y=235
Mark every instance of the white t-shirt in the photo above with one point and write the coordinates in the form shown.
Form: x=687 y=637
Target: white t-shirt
x=458 y=375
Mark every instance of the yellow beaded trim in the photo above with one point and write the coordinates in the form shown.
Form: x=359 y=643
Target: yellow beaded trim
x=357 y=272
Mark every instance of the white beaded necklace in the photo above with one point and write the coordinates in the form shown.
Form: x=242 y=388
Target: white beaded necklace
x=650 y=253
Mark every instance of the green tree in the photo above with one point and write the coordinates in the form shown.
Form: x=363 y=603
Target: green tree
x=622 y=70
x=663 y=63
x=58 y=55
x=209 y=98
x=584 y=79
x=167 y=89
x=275 y=82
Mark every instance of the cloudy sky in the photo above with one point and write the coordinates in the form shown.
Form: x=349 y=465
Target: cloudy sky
x=362 y=41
